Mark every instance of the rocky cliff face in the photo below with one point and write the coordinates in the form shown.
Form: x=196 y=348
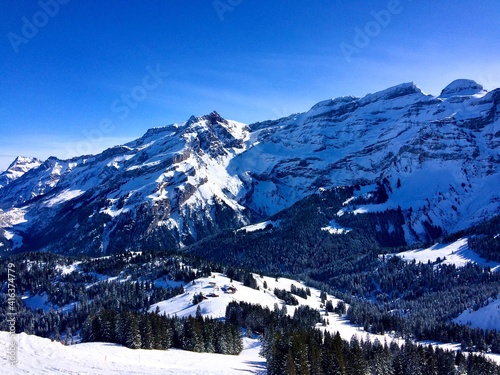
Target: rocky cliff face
x=436 y=158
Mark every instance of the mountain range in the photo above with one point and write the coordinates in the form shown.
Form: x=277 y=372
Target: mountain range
x=435 y=159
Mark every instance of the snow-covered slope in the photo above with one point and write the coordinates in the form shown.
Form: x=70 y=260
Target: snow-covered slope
x=213 y=288
x=216 y=301
x=436 y=158
x=486 y=317
x=39 y=356
x=457 y=253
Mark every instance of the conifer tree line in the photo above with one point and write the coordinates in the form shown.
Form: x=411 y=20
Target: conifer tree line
x=156 y=331
x=55 y=323
x=291 y=345
x=82 y=292
x=85 y=290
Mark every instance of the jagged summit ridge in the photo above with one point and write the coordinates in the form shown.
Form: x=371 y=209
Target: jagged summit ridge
x=436 y=158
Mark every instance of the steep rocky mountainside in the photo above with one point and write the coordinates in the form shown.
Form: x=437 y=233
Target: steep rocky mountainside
x=434 y=159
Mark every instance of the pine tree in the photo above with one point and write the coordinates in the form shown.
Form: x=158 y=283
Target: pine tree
x=430 y=367
x=237 y=342
x=107 y=324
x=133 y=334
x=221 y=342
x=165 y=333
x=199 y=315
x=290 y=363
x=209 y=335
x=146 y=331
x=120 y=330
x=193 y=336
x=356 y=363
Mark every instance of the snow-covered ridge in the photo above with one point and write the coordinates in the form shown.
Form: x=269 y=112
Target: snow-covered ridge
x=436 y=156
x=401 y=90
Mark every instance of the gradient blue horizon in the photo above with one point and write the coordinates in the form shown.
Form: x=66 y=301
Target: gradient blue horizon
x=77 y=77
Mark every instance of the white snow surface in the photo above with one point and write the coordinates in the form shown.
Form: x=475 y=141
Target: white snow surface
x=457 y=253
x=68 y=269
x=486 y=317
x=258 y=226
x=64 y=196
x=215 y=307
x=40 y=356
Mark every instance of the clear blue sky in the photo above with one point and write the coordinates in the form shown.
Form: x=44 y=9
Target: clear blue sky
x=84 y=82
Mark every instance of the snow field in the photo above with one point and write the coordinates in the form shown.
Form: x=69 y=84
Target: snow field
x=40 y=356
x=486 y=317
x=457 y=253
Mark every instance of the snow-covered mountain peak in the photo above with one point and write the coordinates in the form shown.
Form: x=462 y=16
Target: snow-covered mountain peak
x=215 y=135
x=214 y=117
x=462 y=87
x=22 y=160
x=210 y=119
x=214 y=121
x=17 y=168
x=401 y=90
